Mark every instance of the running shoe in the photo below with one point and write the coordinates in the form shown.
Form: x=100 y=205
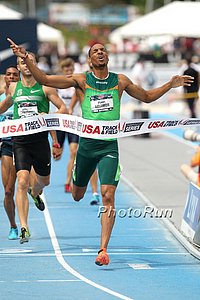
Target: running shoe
x=102 y=258
x=24 y=236
x=67 y=188
x=38 y=201
x=28 y=235
x=95 y=199
x=13 y=234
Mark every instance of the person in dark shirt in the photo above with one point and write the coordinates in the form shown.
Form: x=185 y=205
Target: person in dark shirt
x=191 y=92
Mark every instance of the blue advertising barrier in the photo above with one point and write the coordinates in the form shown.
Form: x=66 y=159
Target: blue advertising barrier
x=190 y=223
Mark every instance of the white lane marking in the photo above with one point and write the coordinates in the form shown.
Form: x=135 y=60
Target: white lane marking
x=13 y=251
x=43 y=280
x=65 y=265
x=130 y=251
x=140 y=266
x=58 y=280
x=152 y=267
x=147 y=229
x=94 y=254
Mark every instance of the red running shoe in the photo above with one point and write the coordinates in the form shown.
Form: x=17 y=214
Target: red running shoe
x=102 y=258
x=67 y=188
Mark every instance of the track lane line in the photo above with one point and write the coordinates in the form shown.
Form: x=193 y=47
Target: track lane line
x=65 y=265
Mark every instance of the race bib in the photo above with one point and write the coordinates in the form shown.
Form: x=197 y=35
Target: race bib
x=27 y=109
x=101 y=103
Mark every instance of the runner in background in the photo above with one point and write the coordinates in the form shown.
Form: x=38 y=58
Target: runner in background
x=68 y=96
x=30 y=151
x=8 y=172
x=71 y=101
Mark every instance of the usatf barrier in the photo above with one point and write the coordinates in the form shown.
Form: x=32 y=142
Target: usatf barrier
x=90 y=128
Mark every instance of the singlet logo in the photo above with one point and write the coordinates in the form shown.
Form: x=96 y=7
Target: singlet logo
x=19 y=92
x=104 y=82
x=34 y=91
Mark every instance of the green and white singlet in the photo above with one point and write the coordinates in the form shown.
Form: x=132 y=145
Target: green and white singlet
x=101 y=102
x=31 y=150
x=27 y=102
x=101 y=99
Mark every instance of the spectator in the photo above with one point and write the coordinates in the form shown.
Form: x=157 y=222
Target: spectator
x=191 y=92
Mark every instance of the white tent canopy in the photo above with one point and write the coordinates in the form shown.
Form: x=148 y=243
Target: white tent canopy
x=45 y=33
x=175 y=19
x=9 y=14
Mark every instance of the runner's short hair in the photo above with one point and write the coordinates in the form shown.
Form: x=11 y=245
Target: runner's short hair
x=89 y=51
x=9 y=67
x=68 y=62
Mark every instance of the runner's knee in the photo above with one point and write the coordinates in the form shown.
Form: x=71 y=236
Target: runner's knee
x=9 y=193
x=78 y=193
x=22 y=184
x=107 y=196
x=77 y=196
x=47 y=181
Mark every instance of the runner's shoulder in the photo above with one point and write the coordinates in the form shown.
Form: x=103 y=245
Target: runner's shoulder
x=123 y=80
x=123 y=77
x=80 y=78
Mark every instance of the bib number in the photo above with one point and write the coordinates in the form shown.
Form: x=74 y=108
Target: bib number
x=27 y=109
x=101 y=103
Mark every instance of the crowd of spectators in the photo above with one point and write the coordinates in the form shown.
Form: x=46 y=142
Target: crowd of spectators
x=123 y=55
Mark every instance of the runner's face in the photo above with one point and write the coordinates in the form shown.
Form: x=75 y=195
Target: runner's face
x=98 y=56
x=68 y=70
x=12 y=75
x=23 y=67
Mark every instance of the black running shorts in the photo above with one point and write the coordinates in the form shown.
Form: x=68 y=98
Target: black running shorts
x=7 y=148
x=36 y=154
x=72 y=138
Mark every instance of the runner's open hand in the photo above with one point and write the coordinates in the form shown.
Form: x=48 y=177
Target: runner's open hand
x=183 y=80
x=17 y=50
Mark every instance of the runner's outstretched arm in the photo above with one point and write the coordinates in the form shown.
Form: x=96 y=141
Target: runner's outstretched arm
x=149 y=96
x=57 y=81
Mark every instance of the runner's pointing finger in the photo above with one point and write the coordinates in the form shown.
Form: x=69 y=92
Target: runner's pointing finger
x=11 y=42
x=17 y=50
